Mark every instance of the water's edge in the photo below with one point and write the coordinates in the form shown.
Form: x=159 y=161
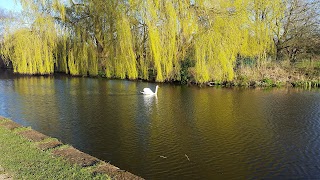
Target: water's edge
x=101 y=166
x=239 y=82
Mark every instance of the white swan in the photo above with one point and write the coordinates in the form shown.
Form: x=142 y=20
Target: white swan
x=148 y=91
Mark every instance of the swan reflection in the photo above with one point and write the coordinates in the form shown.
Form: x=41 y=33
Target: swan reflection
x=149 y=102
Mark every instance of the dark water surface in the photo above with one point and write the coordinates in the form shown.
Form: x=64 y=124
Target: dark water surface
x=225 y=133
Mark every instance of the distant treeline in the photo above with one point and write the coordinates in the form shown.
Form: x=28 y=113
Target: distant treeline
x=161 y=40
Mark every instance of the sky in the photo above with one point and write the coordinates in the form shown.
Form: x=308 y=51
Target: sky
x=10 y=5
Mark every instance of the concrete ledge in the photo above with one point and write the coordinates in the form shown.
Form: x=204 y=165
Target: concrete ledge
x=4 y=175
x=114 y=172
x=70 y=154
x=33 y=135
x=10 y=125
x=49 y=145
x=75 y=156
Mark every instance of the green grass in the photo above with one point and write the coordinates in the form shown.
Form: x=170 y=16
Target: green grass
x=21 y=159
x=311 y=64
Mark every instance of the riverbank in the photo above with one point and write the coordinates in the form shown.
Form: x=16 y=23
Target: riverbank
x=304 y=74
x=28 y=154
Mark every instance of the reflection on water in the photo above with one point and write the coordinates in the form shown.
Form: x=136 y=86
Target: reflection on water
x=225 y=133
x=150 y=102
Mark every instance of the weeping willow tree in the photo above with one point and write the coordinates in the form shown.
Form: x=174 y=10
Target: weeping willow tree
x=229 y=29
x=139 y=39
x=76 y=52
x=31 y=49
x=211 y=33
x=161 y=19
x=30 y=46
x=98 y=38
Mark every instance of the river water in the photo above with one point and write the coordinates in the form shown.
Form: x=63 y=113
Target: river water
x=182 y=133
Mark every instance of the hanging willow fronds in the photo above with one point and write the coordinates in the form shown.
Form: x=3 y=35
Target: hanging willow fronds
x=31 y=50
x=139 y=39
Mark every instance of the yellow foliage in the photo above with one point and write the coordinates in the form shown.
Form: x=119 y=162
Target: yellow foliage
x=31 y=50
x=130 y=39
x=126 y=55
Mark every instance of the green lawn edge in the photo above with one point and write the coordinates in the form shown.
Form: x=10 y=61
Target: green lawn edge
x=23 y=160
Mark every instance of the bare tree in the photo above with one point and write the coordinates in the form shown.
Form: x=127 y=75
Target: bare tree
x=3 y=16
x=6 y=17
x=299 y=33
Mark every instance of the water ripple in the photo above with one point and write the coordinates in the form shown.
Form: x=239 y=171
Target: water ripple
x=183 y=133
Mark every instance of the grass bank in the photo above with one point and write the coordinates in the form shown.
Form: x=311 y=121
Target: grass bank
x=21 y=159
x=28 y=154
x=304 y=74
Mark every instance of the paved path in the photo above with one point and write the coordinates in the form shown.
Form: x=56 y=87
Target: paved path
x=4 y=175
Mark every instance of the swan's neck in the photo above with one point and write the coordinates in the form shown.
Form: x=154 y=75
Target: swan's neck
x=156 y=90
